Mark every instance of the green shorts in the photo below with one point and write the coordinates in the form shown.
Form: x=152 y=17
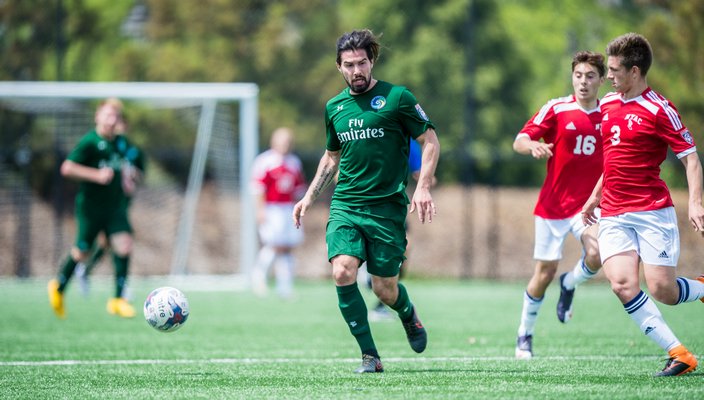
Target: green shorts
x=375 y=234
x=89 y=223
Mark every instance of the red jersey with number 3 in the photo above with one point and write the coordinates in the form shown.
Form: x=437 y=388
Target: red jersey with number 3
x=637 y=133
x=576 y=163
x=279 y=177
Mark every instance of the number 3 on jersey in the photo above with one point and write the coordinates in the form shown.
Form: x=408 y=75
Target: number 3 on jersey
x=585 y=145
x=616 y=139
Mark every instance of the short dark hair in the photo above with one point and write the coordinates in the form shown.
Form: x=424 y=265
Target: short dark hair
x=591 y=58
x=634 y=49
x=363 y=39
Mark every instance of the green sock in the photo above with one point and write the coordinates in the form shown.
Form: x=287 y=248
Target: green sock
x=94 y=258
x=403 y=305
x=354 y=311
x=65 y=272
x=121 y=265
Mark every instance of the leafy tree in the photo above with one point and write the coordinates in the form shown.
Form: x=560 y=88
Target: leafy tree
x=480 y=68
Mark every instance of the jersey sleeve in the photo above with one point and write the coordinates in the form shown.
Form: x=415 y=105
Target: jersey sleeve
x=333 y=142
x=541 y=123
x=673 y=130
x=413 y=119
x=81 y=153
x=135 y=156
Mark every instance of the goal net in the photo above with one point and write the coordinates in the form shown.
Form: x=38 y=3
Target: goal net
x=192 y=215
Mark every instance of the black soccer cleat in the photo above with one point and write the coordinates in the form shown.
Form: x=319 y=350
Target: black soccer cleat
x=415 y=332
x=564 y=305
x=370 y=364
x=524 y=347
x=679 y=365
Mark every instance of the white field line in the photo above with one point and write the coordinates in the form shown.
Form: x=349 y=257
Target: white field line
x=609 y=358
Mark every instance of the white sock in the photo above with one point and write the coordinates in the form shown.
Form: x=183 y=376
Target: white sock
x=690 y=290
x=646 y=315
x=529 y=314
x=265 y=259
x=580 y=273
x=284 y=275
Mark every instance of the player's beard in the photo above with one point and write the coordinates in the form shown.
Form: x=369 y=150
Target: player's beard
x=359 y=87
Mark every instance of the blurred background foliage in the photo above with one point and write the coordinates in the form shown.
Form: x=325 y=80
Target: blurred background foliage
x=480 y=68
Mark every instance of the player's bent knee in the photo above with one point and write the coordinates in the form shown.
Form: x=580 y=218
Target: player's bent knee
x=78 y=255
x=344 y=273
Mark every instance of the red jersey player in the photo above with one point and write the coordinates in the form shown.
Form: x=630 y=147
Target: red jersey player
x=566 y=132
x=638 y=218
x=278 y=182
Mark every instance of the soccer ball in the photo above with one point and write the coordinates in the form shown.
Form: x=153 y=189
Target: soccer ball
x=166 y=309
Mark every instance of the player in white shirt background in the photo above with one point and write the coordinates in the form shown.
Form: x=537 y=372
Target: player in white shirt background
x=277 y=182
x=565 y=132
x=638 y=221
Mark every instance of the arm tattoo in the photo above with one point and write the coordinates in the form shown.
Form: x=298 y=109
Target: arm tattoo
x=326 y=176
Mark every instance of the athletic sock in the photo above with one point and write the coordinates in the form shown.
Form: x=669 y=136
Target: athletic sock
x=354 y=311
x=403 y=305
x=646 y=315
x=94 y=258
x=579 y=274
x=529 y=314
x=121 y=267
x=690 y=290
x=65 y=272
x=284 y=275
x=265 y=259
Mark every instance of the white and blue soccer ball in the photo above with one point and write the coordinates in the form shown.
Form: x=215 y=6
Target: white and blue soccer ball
x=166 y=309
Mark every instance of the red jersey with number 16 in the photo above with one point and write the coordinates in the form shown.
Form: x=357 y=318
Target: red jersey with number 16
x=576 y=164
x=636 y=135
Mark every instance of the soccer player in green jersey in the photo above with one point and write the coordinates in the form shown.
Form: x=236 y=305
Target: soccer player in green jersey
x=134 y=159
x=368 y=129
x=108 y=168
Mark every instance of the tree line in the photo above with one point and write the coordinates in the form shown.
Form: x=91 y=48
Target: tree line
x=480 y=68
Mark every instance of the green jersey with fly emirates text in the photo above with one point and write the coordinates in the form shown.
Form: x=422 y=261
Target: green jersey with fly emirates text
x=371 y=131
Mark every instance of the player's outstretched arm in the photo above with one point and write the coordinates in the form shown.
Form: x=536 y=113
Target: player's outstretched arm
x=327 y=170
x=422 y=200
x=525 y=145
x=693 y=168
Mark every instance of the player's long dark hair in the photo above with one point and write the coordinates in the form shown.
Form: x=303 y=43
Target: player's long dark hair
x=363 y=39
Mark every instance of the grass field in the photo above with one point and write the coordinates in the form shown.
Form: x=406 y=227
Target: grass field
x=237 y=346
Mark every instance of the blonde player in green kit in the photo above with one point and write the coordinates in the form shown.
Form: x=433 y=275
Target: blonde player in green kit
x=368 y=129
x=102 y=163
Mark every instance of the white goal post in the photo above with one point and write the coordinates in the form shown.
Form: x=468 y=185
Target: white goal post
x=207 y=96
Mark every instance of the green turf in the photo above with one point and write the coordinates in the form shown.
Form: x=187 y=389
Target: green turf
x=237 y=346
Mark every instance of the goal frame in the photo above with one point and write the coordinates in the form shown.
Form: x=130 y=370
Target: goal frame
x=208 y=94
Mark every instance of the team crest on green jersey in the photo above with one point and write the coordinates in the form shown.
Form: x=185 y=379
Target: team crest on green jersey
x=378 y=102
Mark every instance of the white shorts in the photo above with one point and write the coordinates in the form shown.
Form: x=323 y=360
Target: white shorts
x=278 y=228
x=653 y=234
x=550 y=235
